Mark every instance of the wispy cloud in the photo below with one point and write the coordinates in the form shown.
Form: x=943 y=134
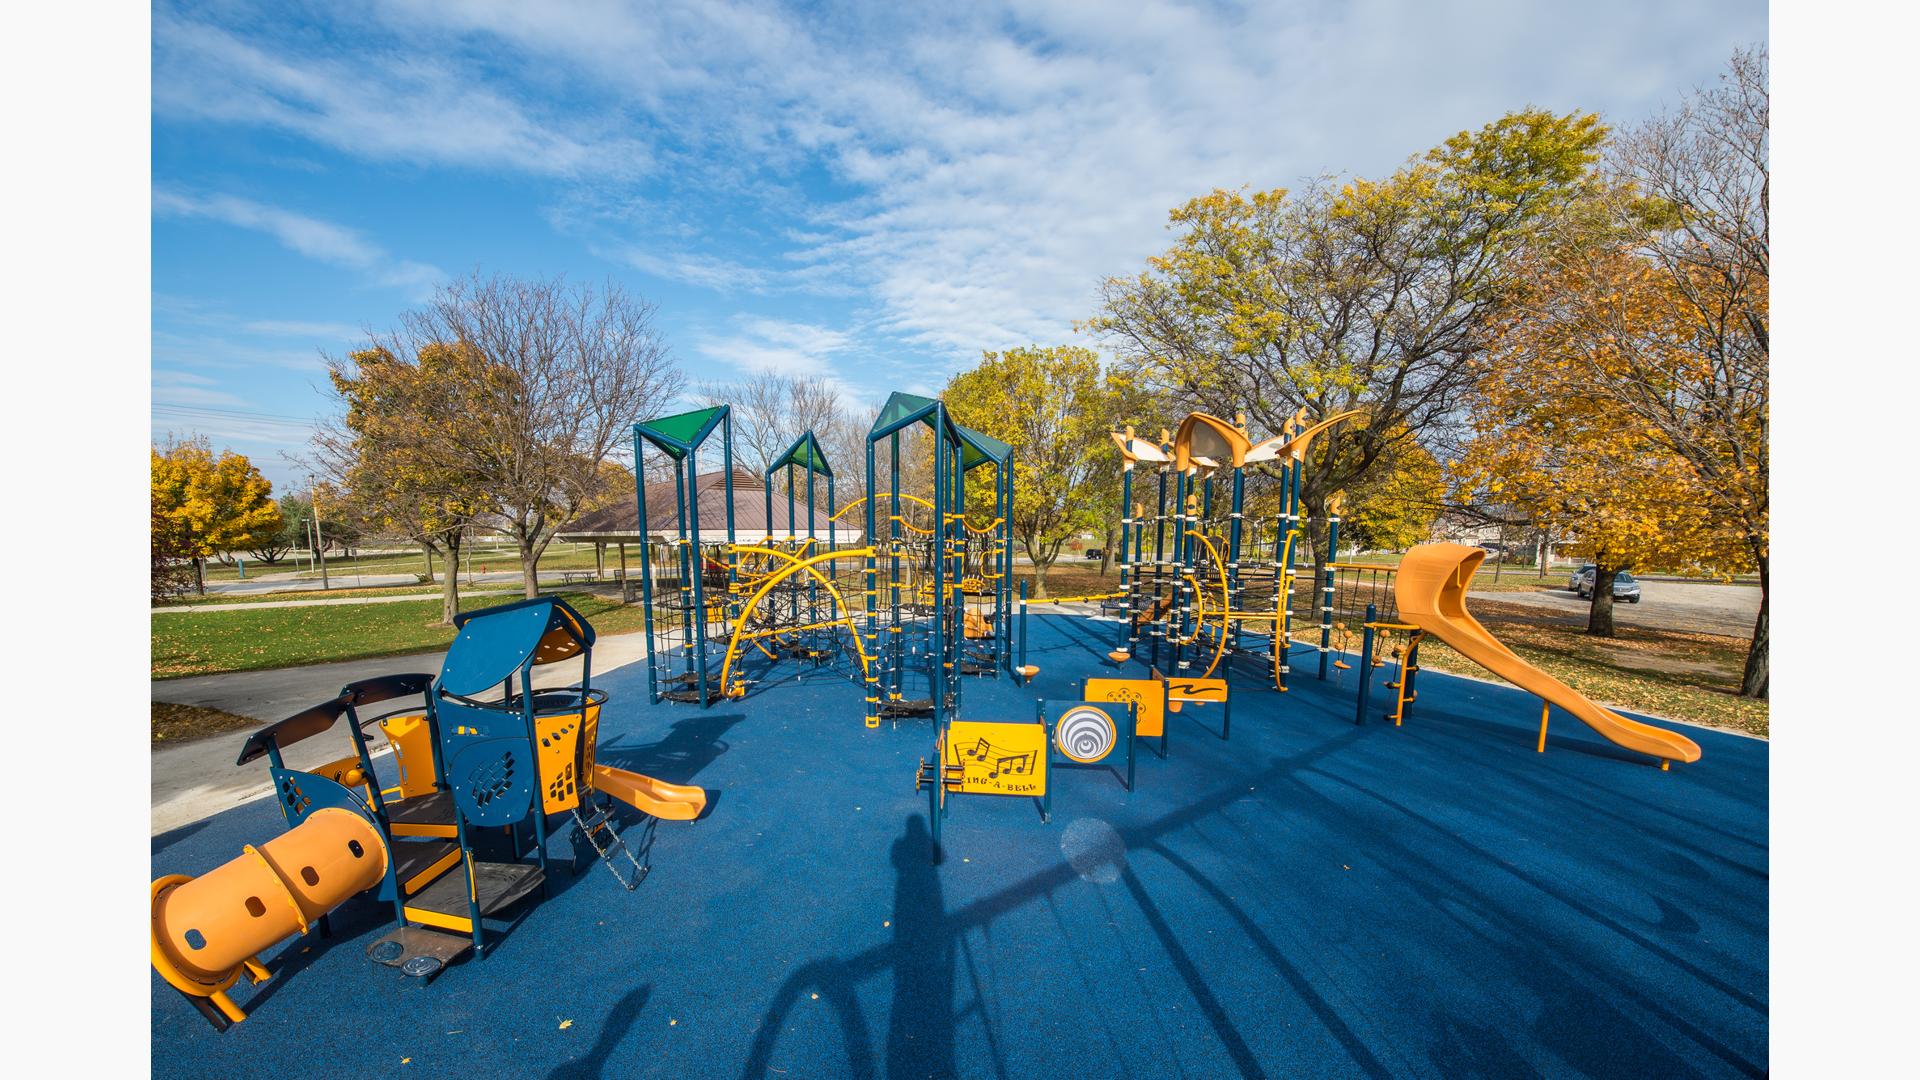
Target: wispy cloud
x=187 y=388
x=779 y=347
x=320 y=240
x=298 y=328
x=971 y=172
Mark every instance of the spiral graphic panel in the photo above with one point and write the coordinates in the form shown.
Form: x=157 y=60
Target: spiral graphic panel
x=1085 y=734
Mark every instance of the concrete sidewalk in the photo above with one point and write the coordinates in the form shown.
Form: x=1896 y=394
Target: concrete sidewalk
x=413 y=598
x=195 y=780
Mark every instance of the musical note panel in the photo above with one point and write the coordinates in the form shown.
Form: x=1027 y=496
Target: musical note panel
x=998 y=758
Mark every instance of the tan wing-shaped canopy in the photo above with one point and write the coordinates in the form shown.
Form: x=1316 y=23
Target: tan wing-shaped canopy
x=1134 y=449
x=1294 y=447
x=1208 y=441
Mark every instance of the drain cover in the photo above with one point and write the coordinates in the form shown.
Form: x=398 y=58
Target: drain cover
x=421 y=967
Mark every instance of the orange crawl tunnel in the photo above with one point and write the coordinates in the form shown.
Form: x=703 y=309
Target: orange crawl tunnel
x=208 y=930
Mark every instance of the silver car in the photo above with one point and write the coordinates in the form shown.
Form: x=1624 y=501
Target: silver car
x=1625 y=586
x=1573 y=582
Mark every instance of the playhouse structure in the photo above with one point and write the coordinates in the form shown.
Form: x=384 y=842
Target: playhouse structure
x=487 y=763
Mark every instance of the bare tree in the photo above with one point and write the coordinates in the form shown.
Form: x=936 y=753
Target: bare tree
x=565 y=370
x=770 y=411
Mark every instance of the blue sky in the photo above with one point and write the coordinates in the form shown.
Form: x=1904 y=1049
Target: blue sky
x=855 y=190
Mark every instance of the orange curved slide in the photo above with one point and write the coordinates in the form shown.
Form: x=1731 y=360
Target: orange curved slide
x=672 y=802
x=1431 y=592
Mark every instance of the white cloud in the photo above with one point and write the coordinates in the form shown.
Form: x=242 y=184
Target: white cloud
x=299 y=328
x=187 y=388
x=779 y=347
x=320 y=240
x=972 y=171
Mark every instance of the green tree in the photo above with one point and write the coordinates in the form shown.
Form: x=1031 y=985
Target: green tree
x=1054 y=406
x=295 y=512
x=1395 y=506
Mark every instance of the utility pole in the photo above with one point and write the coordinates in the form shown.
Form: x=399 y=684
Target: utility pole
x=319 y=540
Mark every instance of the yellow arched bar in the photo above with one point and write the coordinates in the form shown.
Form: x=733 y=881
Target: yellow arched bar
x=795 y=566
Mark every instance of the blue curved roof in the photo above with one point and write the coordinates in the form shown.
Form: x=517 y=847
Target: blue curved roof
x=495 y=642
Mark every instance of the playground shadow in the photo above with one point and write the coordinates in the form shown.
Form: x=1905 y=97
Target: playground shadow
x=689 y=746
x=598 y=1060
x=921 y=955
x=171 y=837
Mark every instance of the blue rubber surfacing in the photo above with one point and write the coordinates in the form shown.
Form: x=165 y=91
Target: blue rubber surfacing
x=1310 y=899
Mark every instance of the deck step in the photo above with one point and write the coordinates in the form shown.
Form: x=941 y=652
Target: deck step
x=423 y=815
x=496 y=885
x=419 y=863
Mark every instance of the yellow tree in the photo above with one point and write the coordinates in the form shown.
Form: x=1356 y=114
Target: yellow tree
x=1054 y=406
x=1394 y=507
x=1553 y=441
x=396 y=454
x=209 y=503
x=1372 y=293
x=1703 y=221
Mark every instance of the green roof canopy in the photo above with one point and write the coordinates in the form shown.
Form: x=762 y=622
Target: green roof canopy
x=806 y=453
x=979 y=448
x=901 y=410
x=681 y=432
x=976 y=448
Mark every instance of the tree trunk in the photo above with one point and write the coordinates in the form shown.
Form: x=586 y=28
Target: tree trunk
x=1106 y=552
x=1600 y=615
x=1753 y=681
x=427 y=550
x=450 y=581
x=530 y=568
x=200 y=575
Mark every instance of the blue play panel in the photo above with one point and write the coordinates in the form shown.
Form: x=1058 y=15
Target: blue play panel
x=1311 y=898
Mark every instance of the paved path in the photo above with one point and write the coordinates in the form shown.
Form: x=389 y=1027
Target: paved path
x=412 y=598
x=198 y=779
x=1701 y=607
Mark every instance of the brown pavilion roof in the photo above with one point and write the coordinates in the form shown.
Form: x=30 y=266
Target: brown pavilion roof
x=620 y=523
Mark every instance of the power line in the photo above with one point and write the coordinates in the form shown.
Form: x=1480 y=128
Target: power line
x=210 y=411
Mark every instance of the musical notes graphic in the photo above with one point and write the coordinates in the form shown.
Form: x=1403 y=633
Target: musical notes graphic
x=1010 y=762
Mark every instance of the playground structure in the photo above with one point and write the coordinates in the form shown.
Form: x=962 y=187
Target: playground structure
x=924 y=631
x=721 y=614
x=484 y=762
x=1218 y=587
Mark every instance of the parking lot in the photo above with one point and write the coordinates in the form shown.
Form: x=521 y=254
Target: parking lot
x=1702 y=607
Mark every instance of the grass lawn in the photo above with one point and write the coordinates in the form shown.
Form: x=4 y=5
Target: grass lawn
x=185 y=644
x=178 y=723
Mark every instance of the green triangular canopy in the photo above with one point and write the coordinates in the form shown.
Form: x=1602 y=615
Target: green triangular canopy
x=680 y=432
x=806 y=453
x=979 y=448
x=899 y=408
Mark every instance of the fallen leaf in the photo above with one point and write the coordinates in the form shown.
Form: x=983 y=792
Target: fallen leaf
x=565 y=1024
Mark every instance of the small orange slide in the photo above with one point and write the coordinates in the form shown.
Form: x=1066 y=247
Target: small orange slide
x=671 y=802
x=1431 y=593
